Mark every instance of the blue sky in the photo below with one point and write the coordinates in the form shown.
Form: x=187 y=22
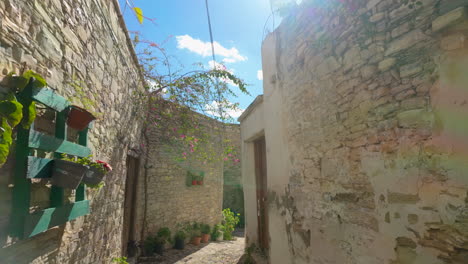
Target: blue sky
x=238 y=28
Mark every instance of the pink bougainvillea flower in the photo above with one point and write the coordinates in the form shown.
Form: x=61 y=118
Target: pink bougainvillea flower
x=229 y=155
x=105 y=164
x=175 y=129
x=225 y=159
x=196 y=140
x=236 y=160
x=184 y=154
x=183 y=136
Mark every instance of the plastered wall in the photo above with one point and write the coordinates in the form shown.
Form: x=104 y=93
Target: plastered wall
x=363 y=115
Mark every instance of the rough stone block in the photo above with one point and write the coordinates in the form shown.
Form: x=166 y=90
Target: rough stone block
x=327 y=66
x=406 y=41
x=451 y=18
x=377 y=17
x=386 y=64
x=418 y=118
x=394 y=197
x=413 y=103
x=410 y=69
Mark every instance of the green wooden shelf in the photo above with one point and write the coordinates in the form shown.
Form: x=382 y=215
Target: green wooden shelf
x=22 y=223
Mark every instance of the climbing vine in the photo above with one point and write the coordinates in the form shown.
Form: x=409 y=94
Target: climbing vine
x=13 y=112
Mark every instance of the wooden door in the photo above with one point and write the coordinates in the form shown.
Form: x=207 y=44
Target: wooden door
x=261 y=183
x=128 y=234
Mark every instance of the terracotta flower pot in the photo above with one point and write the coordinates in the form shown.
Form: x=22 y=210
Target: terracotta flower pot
x=196 y=241
x=67 y=174
x=205 y=238
x=200 y=182
x=79 y=118
x=194 y=182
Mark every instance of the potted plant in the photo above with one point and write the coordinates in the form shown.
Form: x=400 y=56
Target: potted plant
x=191 y=178
x=194 y=180
x=149 y=245
x=217 y=233
x=165 y=234
x=159 y=243
x=97 y=170
x=205 y=230
x=200 y=178
x=195 y=234
x=179 y=238
x=67 y=173
x=78 y=118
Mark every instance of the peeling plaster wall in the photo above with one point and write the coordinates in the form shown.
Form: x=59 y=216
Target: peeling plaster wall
x=366 y=135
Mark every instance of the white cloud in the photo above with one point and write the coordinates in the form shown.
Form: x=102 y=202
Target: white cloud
x=227 y=108
x=204 y=49
x=260 y=75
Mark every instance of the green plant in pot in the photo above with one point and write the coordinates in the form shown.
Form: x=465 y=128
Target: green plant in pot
x=179 y=238
x=205 y=230
x=97 y=170
x=162 y=238
x=195 y=234
x=159 y=245
x=217 y=233
x=200 y=178
x=230 y=220
x=67 y=172
x=149 y=245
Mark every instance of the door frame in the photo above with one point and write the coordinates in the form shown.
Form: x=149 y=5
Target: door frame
x=262 y=192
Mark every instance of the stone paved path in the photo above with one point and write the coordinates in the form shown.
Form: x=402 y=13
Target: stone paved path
x=225 y=252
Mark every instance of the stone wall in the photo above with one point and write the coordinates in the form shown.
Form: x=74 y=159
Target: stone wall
x=172 y=200
x=82 y=49
x=366 y=142
x=233 y=193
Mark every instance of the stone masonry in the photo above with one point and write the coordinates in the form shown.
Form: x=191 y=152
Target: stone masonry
x=83 y=51
x=172 y=200
x=365 y=125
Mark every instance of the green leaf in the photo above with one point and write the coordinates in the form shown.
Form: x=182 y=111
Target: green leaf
x=31 y=116
x=11 y=110
x=5 y=140
x=39 y=82
x=139 y=14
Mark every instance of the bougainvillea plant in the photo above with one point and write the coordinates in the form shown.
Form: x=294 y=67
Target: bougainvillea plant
x=177 y=97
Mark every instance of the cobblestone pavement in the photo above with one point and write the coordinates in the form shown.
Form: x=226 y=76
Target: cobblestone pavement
x=225 y=252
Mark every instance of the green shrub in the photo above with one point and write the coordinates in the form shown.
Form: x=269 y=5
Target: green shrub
x=180 y=235
x=149 y=245
x=120 y=260
x=164 y=232
x=195 y=230
x=205 y=229
x=217 y=230
x=230 y=220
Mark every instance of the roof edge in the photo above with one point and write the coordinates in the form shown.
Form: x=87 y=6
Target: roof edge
x=258 y=100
